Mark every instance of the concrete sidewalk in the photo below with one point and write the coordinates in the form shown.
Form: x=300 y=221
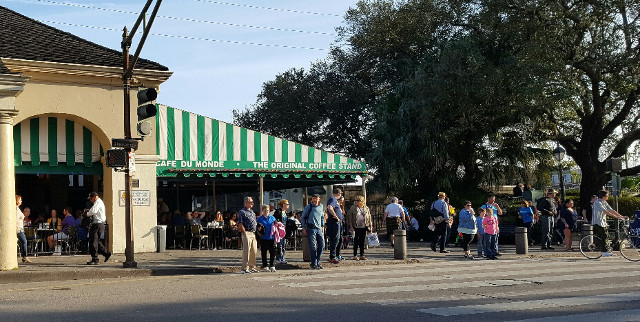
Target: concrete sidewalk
x=192 y=262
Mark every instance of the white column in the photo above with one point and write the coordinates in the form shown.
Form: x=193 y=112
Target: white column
x=10 y=87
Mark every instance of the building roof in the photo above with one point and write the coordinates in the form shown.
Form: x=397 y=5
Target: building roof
x=24 y=38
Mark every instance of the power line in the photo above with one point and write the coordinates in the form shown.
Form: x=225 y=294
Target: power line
x=189 y=37
x=268 y=8
x=78 y=5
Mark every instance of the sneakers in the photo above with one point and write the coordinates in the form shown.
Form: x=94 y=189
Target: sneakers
x=608 y=254
x=334 y=261
x=283 y=262
x=245 y=271
x=444 y=251
x=92 y=263
x=319 y=266
x=356 y=258
x=339 y=258
x=273 y=269
x=253 y=270
x=363 y=258
x=266 y=269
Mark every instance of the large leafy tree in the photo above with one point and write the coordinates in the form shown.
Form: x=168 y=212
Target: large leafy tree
x=473 y=92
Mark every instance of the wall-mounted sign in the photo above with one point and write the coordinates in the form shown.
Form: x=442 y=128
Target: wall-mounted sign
x=138 y=198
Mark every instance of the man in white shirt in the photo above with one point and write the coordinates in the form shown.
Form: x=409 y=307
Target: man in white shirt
x=601 y=210
x=394 y=217
x=98 y=213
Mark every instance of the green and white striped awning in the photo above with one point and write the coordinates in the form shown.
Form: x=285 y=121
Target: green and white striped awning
x=54 y=142
x=190 y=143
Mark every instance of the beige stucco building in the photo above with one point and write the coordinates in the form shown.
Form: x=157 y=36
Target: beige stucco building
x=61 y=103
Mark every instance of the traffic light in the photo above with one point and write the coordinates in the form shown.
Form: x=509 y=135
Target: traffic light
x=146 y=109
x=117 y=158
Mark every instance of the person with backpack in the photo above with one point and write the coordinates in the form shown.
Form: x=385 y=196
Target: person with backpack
x=440 y=219
x=280 y=215
x=312 y=221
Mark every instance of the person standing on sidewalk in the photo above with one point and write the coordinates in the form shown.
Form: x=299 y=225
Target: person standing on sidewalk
x=480 y=233
x=267 y=240
x=22 y=239
x=281 y=215
x=490 y=238
x=601 y=210
x=394 y=216
x=247 y=225
x=99 y=218
x=312 y=223
x=527 y=215
x=334 y=226
x=497 y=211
x=467 y=227
x=547 y=209
x=359 y=219
x=440 y=218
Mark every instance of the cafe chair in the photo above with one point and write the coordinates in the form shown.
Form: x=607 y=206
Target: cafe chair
x=196 y=234
x=33 y=240
x=179 y=234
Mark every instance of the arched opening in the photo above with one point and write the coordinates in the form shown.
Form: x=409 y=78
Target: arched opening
x=57 y=163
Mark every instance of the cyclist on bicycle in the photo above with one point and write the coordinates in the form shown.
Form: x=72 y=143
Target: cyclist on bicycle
x=601 y=210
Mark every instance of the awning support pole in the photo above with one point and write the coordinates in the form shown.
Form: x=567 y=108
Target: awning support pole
x=364 y=187
x=261 y=197
x=213 y=187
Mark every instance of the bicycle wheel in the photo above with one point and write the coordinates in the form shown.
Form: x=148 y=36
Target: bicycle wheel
x=589 y=248
x=630 y=248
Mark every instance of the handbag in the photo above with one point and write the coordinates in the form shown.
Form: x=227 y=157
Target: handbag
x=372 y=240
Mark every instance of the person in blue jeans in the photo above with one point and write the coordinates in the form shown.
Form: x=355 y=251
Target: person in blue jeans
x=334 y=226
x=312 y=223
x=480 y=233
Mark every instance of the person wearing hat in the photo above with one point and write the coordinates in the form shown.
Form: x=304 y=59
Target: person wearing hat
x=280 y=215
x=99 y=218
x=312 y=222
x=547 y=210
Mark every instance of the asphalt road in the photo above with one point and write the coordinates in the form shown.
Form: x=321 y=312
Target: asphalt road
x=571 y=289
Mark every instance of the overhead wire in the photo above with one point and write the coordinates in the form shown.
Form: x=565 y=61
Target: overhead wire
x=78 y=5
x=188 y=37
x=269 y=8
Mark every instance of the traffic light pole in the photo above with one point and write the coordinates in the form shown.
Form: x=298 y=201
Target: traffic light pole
x=126 y=86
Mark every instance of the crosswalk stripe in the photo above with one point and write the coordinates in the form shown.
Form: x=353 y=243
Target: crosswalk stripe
x=508 y=295
x=610 y=316
x=532 y=305
x=454 y=285
x=441 y=267
x=430 y=287
x=435 y=277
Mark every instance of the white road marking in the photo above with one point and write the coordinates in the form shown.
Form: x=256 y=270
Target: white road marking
x=509 y=295
x=454 y=285
x=533 y=304
x=526 y=271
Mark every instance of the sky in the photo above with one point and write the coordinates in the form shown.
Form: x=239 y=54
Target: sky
x=220 y=52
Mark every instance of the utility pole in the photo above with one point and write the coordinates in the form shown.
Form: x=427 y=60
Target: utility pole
x=127 y=74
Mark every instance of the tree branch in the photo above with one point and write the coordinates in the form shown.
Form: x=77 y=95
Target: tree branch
x=623 y=144
x=630 y=171
x=623 y=114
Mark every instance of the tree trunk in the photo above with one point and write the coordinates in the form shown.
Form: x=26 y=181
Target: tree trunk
x=593 y=181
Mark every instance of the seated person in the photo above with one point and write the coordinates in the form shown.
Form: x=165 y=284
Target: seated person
x=27 y=221
x=54 y=222
x=67 y=222
x=39 y=220
x=178 y=219
x=83 y=232
x=195 y=218
x=412 y=231
x=232 y=229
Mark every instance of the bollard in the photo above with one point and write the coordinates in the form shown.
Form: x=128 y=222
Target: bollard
x=306 y=254
x=522 y=243
x=400 y=244
x=587 y=230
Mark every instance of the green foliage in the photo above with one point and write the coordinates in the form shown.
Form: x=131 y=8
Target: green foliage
x=626 y=205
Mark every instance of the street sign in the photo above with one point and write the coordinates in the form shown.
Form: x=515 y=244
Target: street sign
x=124 y=143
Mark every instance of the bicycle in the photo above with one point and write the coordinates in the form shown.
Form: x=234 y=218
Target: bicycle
x=621 y=240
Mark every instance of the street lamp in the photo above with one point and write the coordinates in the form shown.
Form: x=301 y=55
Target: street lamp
x=558 y=153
